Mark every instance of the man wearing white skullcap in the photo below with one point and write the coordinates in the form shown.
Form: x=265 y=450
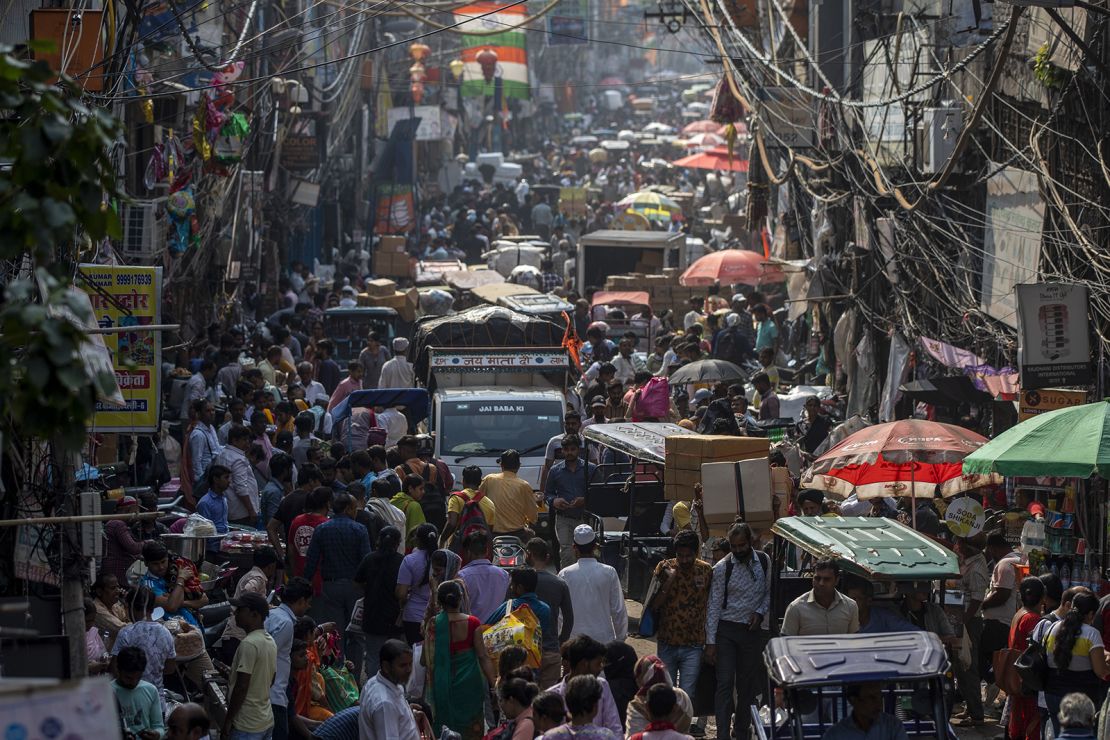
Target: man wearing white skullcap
x=398 y=372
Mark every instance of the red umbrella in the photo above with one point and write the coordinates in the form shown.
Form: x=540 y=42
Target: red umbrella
x=731 y=266
x=713 y=159
x=700 y=127
x=894 y=458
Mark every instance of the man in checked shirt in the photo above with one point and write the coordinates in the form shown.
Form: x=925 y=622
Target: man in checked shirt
x=736 y=630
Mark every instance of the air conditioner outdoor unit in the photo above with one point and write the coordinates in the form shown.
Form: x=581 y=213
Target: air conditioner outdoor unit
x=144 y=234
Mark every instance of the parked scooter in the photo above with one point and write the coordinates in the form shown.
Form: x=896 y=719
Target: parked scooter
x=508 y=552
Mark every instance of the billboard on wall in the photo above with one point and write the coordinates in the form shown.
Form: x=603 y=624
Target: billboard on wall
x=1012 y=240
x=127 y=297
x=1054 y=345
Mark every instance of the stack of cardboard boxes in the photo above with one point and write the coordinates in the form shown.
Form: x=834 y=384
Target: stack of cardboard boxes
x=685 y=456
x=391 y=259
x=661 y=283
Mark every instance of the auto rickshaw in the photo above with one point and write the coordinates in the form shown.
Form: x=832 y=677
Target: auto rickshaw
x=880 y=550
x=631 y=302
x=813 y=672
x=626 y=486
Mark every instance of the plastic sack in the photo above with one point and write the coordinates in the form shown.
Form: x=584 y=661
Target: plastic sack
x=655 y=399
x=518 y=627
x=340 y=689
x=415 y=686
x=354 y=627
x=436 y=302
x=197 y=526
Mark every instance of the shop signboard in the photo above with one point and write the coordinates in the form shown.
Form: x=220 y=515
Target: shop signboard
x=1043 y=400
x=300 y=152
x=1053 y=343
x=569 y=23
x=127 y=297
x=431 y=127
x=791 y=115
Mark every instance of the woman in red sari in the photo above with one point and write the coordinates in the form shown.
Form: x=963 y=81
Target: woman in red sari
x=1025 y=717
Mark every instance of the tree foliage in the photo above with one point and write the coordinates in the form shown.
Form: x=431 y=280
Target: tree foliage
x=56 y=181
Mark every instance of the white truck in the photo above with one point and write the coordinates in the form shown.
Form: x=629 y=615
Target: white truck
x=488 y=400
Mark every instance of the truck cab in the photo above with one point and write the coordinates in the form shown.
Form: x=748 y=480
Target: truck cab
x=485 y=401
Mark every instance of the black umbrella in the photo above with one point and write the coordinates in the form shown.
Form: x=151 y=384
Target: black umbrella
x=707 y=371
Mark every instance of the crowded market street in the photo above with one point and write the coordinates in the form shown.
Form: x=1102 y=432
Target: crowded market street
x=554 y=369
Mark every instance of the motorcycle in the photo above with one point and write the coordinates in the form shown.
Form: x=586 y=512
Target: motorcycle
x=508 y=552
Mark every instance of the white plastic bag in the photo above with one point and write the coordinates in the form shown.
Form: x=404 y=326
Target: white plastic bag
x=415 y=688
x=197 y=526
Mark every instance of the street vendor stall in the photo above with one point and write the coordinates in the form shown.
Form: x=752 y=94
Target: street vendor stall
x=1056 y=467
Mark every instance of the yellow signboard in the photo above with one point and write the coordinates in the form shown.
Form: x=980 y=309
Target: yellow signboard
x=1042 y=400
x=124 y=297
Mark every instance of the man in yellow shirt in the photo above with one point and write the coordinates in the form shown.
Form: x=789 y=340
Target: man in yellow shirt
x=515 y=499
x=472 y=480
x=249 y=713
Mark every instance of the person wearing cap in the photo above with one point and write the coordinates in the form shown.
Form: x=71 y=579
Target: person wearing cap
x=565 y=493
x=595 y=590
x=348 y=297
x=256 y=581
x=515 y=501
x=372 y=358
x=121 y=549
x=398 y=372
x=249 y=714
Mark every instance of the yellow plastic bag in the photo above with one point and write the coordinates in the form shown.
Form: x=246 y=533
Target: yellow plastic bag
x=518 y=627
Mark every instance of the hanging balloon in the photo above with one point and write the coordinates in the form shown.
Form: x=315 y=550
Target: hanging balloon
x=487 y=60
x=180 y=204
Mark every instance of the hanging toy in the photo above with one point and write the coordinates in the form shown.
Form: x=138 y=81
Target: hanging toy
x=726 y=109
x=200 y=138
x=180 y=206
x=229 y=144
x=155 y=168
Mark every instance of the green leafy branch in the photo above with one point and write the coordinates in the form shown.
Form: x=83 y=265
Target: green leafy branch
x=56 y=179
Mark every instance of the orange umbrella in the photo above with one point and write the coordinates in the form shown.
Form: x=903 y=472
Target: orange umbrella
x=700 y=127
x=731 y=266
x=713 y=159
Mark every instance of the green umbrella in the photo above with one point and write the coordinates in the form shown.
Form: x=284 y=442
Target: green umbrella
x=1068 y=442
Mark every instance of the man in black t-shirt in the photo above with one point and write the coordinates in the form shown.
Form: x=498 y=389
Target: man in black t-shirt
x=292 y=506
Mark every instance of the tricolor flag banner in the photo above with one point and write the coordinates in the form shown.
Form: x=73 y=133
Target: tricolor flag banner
x=512 y=54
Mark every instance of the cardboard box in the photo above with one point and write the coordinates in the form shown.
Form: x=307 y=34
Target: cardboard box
x=714 y=445
x=392 y=244
x=404 y=302
x=724 y=491
x=391 y=264
x=381 y=287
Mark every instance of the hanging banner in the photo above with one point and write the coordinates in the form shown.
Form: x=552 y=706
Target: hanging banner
x=510 y=45
x=394 y=210
x=1054 y=347
x=1011 y=240
x=125 y=297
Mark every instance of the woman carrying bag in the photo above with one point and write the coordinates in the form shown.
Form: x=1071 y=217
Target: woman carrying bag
x=1076 y=659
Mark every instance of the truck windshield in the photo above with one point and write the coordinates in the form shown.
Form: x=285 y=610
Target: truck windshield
x=480 y=427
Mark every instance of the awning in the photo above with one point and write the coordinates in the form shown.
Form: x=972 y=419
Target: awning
x=945 y=391
x=621 y=297
x=415 y=400
x=641 y=441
